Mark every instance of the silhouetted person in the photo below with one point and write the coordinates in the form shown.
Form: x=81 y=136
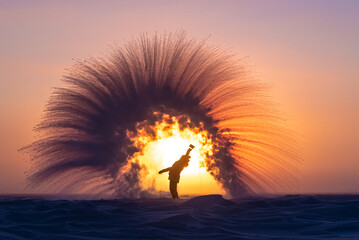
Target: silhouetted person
x=175 y=171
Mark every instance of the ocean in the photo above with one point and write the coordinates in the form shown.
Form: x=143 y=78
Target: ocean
x=202 y=217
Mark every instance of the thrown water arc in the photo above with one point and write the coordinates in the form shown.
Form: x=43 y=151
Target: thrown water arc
x=84 y=142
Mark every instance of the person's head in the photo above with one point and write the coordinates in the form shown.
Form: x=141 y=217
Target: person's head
x=185 y=158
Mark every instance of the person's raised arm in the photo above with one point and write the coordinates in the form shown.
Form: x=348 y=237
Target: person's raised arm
x=189 y=149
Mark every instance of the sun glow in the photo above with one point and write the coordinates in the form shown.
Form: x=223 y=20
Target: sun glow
x=171 y=141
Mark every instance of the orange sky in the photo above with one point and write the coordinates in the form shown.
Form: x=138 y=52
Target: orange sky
x=308 y=50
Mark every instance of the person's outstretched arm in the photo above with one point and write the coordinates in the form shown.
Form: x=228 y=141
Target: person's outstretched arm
x=189 y=149
x=164 y=170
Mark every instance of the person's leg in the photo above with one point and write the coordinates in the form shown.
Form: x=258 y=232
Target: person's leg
x=173 y=189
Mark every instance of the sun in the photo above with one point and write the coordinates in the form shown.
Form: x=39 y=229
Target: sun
x=170 y=149
x=170 y=143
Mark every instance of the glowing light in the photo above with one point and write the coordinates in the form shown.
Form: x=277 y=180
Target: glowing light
x=170 y=143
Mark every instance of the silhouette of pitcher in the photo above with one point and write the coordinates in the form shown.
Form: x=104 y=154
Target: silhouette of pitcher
x=175 y=171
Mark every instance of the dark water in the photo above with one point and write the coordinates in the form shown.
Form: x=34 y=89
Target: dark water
x=205 y=217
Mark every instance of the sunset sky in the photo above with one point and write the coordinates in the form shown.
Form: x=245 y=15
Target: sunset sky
x=307 y=50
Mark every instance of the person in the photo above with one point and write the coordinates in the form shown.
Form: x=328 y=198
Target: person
x=175 y=171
